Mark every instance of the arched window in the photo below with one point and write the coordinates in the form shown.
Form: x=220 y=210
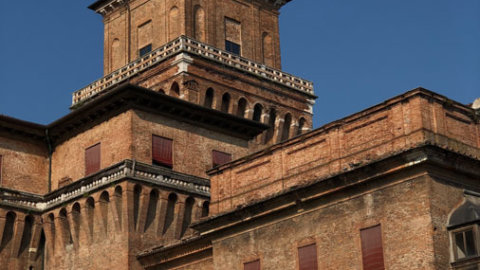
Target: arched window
x=287 y=122
x=173 y=24
x=257 y=112
x=208 y=102
x=267 y=46
x=463 y=226
x=271 y=122
x=225 y=102
x=175 y=90
x=199 y=24
x=301 y=125
x=241 y=108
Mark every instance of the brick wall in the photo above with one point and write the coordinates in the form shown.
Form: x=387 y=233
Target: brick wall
x=401 y=123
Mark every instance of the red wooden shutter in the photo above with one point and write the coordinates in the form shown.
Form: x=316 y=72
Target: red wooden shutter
x=162 y=151
x=307 y=257
x=255 y=265
x=92 y=159
x=372 y=250
x=219 y=158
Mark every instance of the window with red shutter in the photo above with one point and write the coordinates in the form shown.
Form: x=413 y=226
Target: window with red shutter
x=92 y=159
x=307 y=257
x=219 y=158
x=372 y=249
x=162 y=151
x=255 y=265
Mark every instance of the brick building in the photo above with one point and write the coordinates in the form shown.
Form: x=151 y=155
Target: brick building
x=195 y=151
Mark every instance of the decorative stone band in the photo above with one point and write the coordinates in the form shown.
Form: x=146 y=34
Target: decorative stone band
x=188 y=45
x=125 y=170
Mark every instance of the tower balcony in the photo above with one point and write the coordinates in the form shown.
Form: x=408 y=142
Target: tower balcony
x=187 y=45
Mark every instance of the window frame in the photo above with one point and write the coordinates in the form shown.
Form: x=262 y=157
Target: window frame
x=463 y=229
x=149 y=50
x=253 y=261
x=220 y=153
x=304 y=245
x=87 y=172
x=158 y=162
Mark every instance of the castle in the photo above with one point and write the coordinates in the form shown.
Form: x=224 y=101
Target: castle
x=195 y=151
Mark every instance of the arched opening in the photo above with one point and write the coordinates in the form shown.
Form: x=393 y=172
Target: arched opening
x=152 y=209
x=205 y=208
x=104 y=200
x=301 y=125
x=90 y=211
x=27 y=234
x=199 y=23
x=137 y=190
x=187 y=217
x=76 y=211
x=225 y=102
x=208 y=102
x=8 y=230
x=257 y=112
x=66 y=233
x=287 y=122
x=175 y=90
x=242 y=107
x=271 y=122
x=173 y=24
x=118 y=203
x=170 y=215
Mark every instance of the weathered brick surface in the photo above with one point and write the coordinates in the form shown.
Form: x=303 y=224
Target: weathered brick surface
x=24 y=164
x=394 y=126
x=403 y=210
x=123 y=39
x=115 y=138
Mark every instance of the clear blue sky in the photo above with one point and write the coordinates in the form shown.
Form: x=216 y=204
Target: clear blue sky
x=357 y=52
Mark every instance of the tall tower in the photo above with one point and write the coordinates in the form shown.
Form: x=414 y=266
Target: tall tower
x=222 y=54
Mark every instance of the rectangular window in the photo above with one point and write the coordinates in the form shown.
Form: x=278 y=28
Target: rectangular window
x=220 y=158
x=233 y=36
x=162 y=151
x=372 y=249
x=255 y=265
x=465 y=244
x=232 y=47
x=92 y=159
x=145 y=50
x=307 y=257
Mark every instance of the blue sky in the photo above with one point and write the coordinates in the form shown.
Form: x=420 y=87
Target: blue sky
x=357 y=52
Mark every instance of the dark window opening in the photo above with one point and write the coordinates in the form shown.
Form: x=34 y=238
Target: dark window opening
x=465 y=244
x=208 y=102
x=162 y=151
x=225 y=103
x=257 y=112
x=232 y=47
x=220 y=158
x=92 y=159
x=307 y=257
x=145 y=50
x=205 y=209
x=242 y=107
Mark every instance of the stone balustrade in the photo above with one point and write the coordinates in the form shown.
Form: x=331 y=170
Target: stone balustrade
x=188 y=45
x=126 y=169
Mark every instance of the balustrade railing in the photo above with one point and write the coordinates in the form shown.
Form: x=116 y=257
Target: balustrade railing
x=185 y=44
